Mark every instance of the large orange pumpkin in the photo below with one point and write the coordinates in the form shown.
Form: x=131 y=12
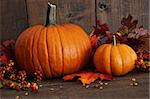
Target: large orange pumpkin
x=54 y=50
x=114 y=59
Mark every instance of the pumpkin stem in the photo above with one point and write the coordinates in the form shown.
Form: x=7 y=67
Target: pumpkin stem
x=51 y=14
x=114 y=40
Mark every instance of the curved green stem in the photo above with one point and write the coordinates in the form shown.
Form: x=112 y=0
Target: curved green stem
x=51 y=14
x=114 y=40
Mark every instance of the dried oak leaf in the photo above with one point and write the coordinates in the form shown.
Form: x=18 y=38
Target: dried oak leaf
x=127 y=25
x=87 y=77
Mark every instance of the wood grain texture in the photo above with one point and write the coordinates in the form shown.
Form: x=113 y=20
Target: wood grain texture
x=13 y=18
x=36 y=11
x=16 y=14
x=80 y=12
x=117 y=9
x=118 y=88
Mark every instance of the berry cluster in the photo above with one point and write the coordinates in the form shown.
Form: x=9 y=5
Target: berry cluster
x=18 y=79
x=38 y=76
x=21 y=86
x=142 y=62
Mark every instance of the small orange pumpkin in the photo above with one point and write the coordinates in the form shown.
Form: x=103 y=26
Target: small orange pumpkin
x=114 y=59
x=54 y=50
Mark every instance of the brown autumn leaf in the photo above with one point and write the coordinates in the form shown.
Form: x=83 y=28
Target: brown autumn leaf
x=87 y=77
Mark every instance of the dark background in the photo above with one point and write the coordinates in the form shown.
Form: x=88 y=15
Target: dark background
x=17 y=15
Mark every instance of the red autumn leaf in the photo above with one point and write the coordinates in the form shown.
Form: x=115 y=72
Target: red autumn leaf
x=100 y=29
x=4 y=59
x=94 y=39
x=104 y=27
x=87 y=77
x=6 y=50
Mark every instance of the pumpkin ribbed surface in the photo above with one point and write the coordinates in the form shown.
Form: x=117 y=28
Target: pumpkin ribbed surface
x=115 y=60
x=54 y=50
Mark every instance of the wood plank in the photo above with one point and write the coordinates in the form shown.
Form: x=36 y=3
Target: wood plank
x=120 y=8
x=118 y=88
x=139 y=9
x=80 y=12
x=36 y=11
x=13 y=18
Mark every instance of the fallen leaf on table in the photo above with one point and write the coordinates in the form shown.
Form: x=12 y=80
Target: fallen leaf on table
x=105 y=77
x=87 y=77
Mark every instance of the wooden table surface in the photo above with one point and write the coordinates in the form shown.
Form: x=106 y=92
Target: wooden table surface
x=118 y=88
